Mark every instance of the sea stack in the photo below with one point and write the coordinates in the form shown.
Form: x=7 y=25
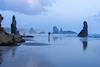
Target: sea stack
x=13 y=26
x=7 y=38
x=84 y=31
x=1 y=19
x=16 y=35
x=55 y=30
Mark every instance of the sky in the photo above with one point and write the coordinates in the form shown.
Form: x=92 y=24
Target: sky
x=42 y=15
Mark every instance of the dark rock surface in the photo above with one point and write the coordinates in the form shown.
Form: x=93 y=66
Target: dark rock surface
x=7 y=38
x=84 y=31
x=13 y=26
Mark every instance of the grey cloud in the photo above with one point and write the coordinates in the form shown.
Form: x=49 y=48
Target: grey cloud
x=25 y=6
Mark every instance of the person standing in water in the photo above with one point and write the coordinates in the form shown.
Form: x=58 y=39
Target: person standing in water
x=49 y=36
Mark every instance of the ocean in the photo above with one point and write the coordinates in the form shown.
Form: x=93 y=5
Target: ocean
x=60 y=50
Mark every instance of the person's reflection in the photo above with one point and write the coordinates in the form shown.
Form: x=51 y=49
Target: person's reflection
x=85 y=43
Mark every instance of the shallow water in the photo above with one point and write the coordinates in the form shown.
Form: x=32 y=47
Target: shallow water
x=58 y=51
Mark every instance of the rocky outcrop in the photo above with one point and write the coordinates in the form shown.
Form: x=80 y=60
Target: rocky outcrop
x=61 y=31
x=13 y=26
x=7 y=38
x=84 y=31
x=1 y=18
x=55 y=30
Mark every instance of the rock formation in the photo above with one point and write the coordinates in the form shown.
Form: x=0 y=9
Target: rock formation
x=7 y=38
x=13 y=26
x=1 y=28
x=32 y=31
x=84 y=31
x=1 y=18
x=61 y=31
x=55 y=30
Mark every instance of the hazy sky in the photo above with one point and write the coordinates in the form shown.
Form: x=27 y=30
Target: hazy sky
x=42 y=15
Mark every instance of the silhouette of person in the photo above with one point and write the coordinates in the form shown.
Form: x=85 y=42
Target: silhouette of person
x=49 y=36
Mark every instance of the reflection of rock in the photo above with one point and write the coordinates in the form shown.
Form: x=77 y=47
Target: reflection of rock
x=6 y=38
x=55 y=38
x=84 y=45
x=84 y=42
x=4 y=50
x=84 y=31
x=1 y=59
x=36 y=44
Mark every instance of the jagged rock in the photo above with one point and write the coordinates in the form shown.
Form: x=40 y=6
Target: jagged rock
x=7 y=38
x=84 y=31
x=13 y=26
x=18 y=39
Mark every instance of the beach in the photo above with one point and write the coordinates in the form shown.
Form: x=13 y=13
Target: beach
x=60 y=51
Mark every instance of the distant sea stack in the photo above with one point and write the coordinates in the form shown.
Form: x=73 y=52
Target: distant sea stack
x=55 y=30
x=84 y=31
x=7 y=38
x=32 y=31
x=61 y=31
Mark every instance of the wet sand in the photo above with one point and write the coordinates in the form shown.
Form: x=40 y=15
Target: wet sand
x=60 y=51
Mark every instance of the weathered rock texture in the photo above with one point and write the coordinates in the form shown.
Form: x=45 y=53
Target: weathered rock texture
x=13 y=26
x=7 y=38
x=84 y=31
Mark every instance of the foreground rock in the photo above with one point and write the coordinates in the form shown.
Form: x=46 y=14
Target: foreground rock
x=7 y=38
x=84 y=31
